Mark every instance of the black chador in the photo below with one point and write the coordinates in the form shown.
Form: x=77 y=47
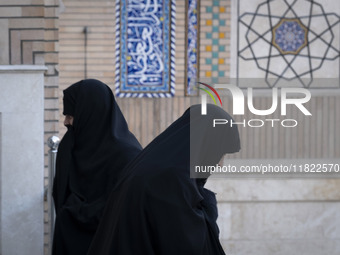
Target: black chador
x=90 y=159
x=157 y=208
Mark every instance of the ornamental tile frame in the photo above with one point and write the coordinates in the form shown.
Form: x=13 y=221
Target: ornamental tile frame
x=145 y=48
x=192 y=25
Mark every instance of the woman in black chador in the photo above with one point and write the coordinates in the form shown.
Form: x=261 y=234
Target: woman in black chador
x=157 y=208
x=90 y=159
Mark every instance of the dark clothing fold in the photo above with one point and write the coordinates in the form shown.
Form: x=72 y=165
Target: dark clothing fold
x=157 y=208
x=90 y=160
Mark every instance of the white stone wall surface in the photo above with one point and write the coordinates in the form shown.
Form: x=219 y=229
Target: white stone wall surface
x=21 y=160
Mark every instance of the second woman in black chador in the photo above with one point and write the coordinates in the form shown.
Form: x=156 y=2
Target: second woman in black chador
x=157 y=208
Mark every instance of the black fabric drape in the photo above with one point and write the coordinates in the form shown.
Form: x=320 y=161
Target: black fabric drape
x=157 y=209
x=90 y=159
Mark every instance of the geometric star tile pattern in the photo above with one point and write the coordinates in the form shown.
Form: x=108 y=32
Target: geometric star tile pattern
x=290 y=44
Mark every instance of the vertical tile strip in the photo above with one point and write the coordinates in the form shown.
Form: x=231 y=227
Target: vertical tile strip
x=192 y=47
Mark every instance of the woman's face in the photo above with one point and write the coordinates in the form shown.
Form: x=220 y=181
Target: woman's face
x=68 y=120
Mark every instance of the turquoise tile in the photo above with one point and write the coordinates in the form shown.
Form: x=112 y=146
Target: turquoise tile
x=216 y=3
x=215 y=54
x=208 y=9
x=215 y=41
x=208 y=35
x=208 y=61
x=215 y=29
x=221 y=73
x=221 y=48
x=214 y=80
x=222 y=22
x=214 y=68
x=216 y=16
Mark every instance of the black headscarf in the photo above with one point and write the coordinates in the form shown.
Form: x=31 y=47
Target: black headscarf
x=90 y=160
x=157 y=209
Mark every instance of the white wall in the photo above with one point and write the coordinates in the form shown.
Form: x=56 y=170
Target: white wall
x=21 y=160
x=278 y=216
x=275 y=215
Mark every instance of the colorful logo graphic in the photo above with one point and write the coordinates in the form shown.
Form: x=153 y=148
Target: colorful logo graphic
x=204 y=96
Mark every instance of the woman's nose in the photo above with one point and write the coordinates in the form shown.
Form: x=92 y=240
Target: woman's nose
x=68 y=120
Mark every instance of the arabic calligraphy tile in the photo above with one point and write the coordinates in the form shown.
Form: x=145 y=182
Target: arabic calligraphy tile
x=145 y=61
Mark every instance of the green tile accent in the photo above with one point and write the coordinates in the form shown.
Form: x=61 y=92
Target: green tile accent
x=221 y=73
x=216 y=16
x=214 y=68
x=216 y=3
x=215 y=54
x=208 y=61
x=215 y=29
x=222 y=22
x=208 y=9
x=215 y=41
x=221 y=48
x=208 y=35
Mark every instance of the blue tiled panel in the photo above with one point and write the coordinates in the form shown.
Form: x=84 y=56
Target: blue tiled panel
x=146 y=53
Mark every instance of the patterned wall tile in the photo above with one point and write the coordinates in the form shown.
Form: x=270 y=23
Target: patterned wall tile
x=288 y=41
x=146 y=52
x=214 y=19
x=192 y=45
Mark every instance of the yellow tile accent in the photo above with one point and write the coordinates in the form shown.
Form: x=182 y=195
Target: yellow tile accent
x=221 y=61
x=208 y=48
x=221 y=35
x=208 y=74
x=209 y=22
x=222 y=9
